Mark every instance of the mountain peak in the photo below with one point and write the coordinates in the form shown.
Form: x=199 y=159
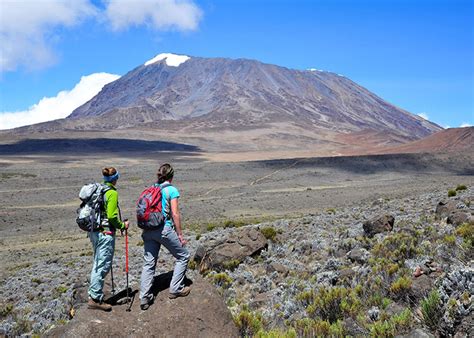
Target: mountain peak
x=172 y=60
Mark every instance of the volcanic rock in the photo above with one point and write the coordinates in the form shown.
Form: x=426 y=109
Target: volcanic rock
x=378 y=225
x=231 y=250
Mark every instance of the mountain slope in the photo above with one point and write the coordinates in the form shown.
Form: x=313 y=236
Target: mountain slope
x=453 y=139
x=218 y=93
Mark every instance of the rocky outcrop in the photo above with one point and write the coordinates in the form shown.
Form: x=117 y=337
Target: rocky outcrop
x=460 y=217
x=201 y=314
x=455 y=211
x=445 y=208
x=378 y=225
x=231 y=250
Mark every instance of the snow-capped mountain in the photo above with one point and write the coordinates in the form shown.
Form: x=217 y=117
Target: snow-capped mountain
x=224 y=93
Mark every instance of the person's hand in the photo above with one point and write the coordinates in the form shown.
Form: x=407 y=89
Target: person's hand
x=182 y=240
x=125 y=225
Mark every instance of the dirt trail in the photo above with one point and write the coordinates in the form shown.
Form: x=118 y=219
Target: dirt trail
x=258 y=180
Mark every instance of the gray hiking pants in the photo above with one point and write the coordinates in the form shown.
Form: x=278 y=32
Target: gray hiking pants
x=153 y=239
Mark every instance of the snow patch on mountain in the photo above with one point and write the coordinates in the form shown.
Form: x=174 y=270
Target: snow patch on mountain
x=171 y=60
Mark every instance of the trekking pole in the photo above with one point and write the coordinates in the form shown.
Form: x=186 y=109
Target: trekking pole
x=126 y=269
x=112 y=275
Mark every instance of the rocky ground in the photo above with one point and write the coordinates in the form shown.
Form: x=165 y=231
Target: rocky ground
x=319 y=272
x=392 y=267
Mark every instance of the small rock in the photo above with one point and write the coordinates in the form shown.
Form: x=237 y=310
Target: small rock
x=359 y=255
x=373 y=313
x=280 y=268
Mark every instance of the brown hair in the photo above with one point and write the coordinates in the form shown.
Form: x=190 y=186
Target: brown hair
x=109 y=171
x=165 y=172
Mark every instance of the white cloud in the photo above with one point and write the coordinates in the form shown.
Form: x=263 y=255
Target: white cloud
x=423 y=115
x=159 y=14
x=29 y=27
x=60 y=106
x=26 y=28
x=465 y=124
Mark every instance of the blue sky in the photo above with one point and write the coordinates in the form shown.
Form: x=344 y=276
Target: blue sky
x=417 y=55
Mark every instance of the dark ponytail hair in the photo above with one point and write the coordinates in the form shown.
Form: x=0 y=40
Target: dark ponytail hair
x=165 y=173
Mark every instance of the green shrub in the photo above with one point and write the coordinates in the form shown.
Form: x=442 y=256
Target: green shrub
x=397 y=247
x=382 y=329
x=36 y=280
x=395 y=325
x=401 y=286
x=318 y=328
x=269 y=233
x=198 y=236
x=386 y=302
x=466 y=231
x=222 y=279
x=248 y=323
x=449 y=239
x=211 y=226
x=231 y=264
x=192 y=264
x=233 y=224
x=451 y=193
x=431 y=309
x=61 y=289
x=403 y=320
x=461 y=187
x=330 y=303
x=290 y=333
x=6 y=309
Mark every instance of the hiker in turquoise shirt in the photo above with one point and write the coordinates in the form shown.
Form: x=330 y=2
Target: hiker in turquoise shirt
x=103 y=241
x=171 y=237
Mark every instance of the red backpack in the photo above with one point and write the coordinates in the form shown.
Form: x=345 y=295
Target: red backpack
x=149 y=208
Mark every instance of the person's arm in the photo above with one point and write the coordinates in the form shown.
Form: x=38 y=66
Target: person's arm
x=112 y=211
x=177 y=220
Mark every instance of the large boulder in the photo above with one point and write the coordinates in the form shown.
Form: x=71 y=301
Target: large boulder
x=460 y=217
x=445 y=208
x=201 y=314
x=230 y=251
x=378 y=225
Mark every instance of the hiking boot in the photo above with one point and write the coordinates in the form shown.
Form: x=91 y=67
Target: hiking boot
x=146 y=302
x=98 y=305
x=186 y=290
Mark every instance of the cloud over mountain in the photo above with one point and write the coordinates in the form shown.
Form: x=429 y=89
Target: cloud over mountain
x=158 y=14
x=60 y=106
x=28 y=29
